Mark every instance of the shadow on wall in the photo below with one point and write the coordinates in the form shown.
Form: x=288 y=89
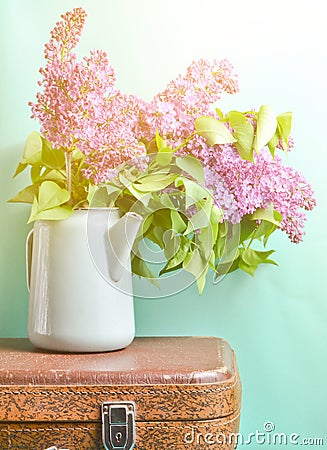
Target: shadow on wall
x=13 y=231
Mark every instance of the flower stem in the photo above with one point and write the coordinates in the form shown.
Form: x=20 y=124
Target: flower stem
x=68 y=158
x=191 y=136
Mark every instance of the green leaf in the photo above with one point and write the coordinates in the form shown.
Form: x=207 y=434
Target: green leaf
x=247 y=227
x=216 y=214
x=154 y=170
x=51 y=195
x=200 y=219
x=266 y=127
x=221 y=240
x=284 y=127
x=265 y=229
x=269 y=214
x=161 y=143
x=178 y=224
x=179 y=255
x=246 y=268
x=77 y=155
x=113 y=194
x=171 y=242
x=201 y=280
x=56 y=213
x=163 y=158
x=224 y=268
x=205 y=242
x=20 y=168
x=214 y=229
x=154 y=182
x=155 y=234
x=215 y=218
x=141 y=196
x=91 y=192
x=229 y=254
x=51 y=157
x=243 y=132
x=219 y=113
x=250 y=260
x=223 y=229
x=212 y=260
x=54 y=175
x=98 y=196
x=26 y=195
x=162 y=218
x=167 y=269
x=285 y=123
x=195 y=265
x=255 y=257
x=226 y=247
x=145 y=225
x=166 y=200
x=192 y=166
x=271 y=261
x=220 y=246
x=140 y=268
x=33 y=149
x=124 y=203
x=213 y=130
x=272 y=144
x=194 y=192
x=35 y=173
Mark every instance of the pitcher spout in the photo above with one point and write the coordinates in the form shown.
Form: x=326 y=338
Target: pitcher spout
x=121 y=239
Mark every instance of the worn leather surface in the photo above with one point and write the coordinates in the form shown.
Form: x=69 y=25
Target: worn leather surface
x=158 y=360
x=178 y=385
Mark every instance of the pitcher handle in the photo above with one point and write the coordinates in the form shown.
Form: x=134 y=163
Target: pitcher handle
x=29 y=249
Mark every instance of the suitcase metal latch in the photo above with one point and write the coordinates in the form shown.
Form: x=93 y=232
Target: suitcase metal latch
x=118 y=425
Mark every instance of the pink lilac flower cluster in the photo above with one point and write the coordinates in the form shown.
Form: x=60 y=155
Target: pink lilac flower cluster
x=257 y=185
x=81 y=108
x=173 y=111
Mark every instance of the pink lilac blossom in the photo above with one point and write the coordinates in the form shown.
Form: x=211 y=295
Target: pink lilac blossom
x=223 y=198
x=173 y=111
x=79 y=106
x=257 y=185
x=65 y=35
x=109 y=142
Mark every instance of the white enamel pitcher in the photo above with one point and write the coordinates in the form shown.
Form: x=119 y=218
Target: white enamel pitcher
x=80 y=282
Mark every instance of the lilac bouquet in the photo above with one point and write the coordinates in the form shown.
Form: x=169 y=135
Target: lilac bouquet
x=210 y=185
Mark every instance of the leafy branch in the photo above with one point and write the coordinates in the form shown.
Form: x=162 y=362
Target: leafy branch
x=248 y=131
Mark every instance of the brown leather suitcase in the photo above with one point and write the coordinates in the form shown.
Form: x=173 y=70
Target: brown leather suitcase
x=159 y=393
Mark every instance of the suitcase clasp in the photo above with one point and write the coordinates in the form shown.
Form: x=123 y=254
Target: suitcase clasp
x=118 y=425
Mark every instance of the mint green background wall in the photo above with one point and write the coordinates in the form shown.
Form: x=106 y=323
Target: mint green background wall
x=277 y=321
